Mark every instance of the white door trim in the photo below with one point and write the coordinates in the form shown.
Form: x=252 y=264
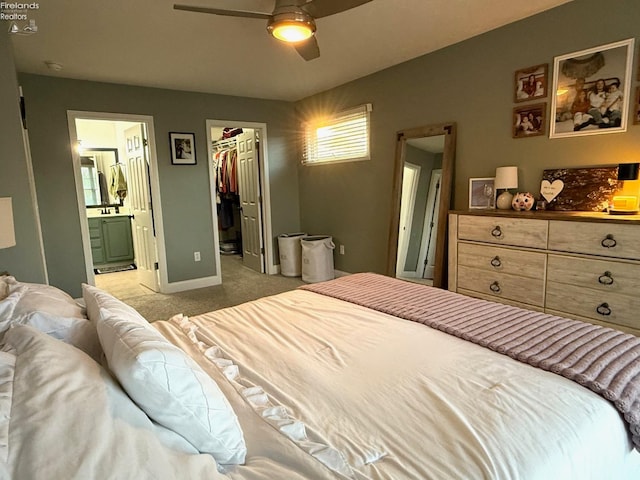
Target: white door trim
x=267 y=239
x=431 y=208
x=72 y=116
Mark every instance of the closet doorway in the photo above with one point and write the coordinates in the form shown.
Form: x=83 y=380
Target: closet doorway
x=238 y=167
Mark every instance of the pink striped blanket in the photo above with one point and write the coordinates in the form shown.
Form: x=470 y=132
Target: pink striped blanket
x=604 y=360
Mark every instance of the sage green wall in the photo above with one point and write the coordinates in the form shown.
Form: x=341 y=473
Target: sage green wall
x=24 y=260
x=470 y=83
x=184 y=190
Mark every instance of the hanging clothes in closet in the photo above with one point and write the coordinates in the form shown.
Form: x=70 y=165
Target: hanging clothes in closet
x=225 y=161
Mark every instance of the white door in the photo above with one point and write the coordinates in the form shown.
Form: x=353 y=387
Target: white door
x=429 y=233
x=249 y=189
x=139 y=200
x=410 y=177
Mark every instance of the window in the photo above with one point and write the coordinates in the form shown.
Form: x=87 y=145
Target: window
x=340 y=138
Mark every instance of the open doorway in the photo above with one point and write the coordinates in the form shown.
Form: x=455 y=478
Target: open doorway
x=115 y=169
x=239 y=178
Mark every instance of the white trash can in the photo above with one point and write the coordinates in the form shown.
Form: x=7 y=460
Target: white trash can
x=290 y=254
x=317 y=258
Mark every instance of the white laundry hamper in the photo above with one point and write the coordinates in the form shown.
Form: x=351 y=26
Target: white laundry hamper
x=290 y=254
x=317 y=258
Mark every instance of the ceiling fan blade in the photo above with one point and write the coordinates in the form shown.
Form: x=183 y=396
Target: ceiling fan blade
x=308 y=49
x=324 y=8
x=219 y=11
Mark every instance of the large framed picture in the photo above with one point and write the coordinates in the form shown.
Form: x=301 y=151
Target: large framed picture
x=482 y=192
x=592 y=89
x=183 y=148
x=531 y=83
x=529 y=120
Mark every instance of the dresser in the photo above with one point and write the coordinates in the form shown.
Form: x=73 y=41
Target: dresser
x=577 y=265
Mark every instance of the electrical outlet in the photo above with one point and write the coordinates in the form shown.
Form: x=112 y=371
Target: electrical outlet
x=196 y=256
x=341 y=249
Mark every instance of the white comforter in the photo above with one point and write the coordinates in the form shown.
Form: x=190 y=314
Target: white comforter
x=366 y=395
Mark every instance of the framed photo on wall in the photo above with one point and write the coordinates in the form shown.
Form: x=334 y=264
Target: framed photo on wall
x=529 y=120
x=183 y=148
x=591 y=90
x=531 y=83
x=482 y=192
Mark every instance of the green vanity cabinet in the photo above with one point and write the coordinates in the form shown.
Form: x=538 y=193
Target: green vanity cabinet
x=111 y=240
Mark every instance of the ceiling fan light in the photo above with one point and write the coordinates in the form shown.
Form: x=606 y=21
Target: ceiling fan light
x=291 y=27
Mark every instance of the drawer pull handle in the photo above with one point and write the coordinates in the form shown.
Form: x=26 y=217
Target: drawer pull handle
x=495 y=262
x=605 y=278
x=603 y=309
x=495 y=287
x=496 y=232
x=608 y=241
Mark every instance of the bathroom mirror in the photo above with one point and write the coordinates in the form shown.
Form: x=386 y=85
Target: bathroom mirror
x=96 y=168
x=421 y=198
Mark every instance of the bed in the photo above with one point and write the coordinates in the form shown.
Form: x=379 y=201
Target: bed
x=362 y=377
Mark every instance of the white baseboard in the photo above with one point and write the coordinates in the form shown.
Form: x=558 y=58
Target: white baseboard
x=176 y=287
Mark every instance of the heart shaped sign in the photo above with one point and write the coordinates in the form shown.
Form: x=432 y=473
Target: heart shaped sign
x=551 y=190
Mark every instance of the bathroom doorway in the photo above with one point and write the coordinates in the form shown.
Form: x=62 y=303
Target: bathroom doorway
x=121 y=225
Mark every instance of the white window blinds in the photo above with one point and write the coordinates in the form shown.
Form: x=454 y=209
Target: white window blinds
x=340 y=138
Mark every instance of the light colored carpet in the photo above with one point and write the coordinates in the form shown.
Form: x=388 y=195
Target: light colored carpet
x=239 y=284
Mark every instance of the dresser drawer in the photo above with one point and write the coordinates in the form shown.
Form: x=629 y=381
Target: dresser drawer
x=502 y=285
x=600 y=275
x=504 y=231
x=614 y=308
x=606 y=239
x=502 y=260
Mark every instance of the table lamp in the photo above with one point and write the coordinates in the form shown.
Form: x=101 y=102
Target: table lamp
x=626 y=204
x=7 y=232
x=506 y=178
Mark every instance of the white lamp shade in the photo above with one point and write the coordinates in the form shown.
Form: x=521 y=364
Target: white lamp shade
x=506 y=177
x=7 y=232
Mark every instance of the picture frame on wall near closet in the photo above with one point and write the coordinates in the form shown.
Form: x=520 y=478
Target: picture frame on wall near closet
x=183 y=148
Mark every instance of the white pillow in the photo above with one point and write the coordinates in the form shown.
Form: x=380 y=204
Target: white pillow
x=46 y=298
x=101 y=304
x=7 y=371
x=5 y=281
x=79 y=332
x=71 y=419
x=8 y=306
x=172 y=389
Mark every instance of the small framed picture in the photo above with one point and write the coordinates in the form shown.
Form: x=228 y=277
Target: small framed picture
x=636 y=108
x=183 y=148
x=531 y=83
x=529 y=120
x=592 y=89
x=482 y=192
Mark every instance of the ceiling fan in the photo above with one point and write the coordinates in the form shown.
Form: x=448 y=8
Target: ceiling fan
x=291 y=21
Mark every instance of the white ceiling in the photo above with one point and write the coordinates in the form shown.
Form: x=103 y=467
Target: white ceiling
x=148 y=43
